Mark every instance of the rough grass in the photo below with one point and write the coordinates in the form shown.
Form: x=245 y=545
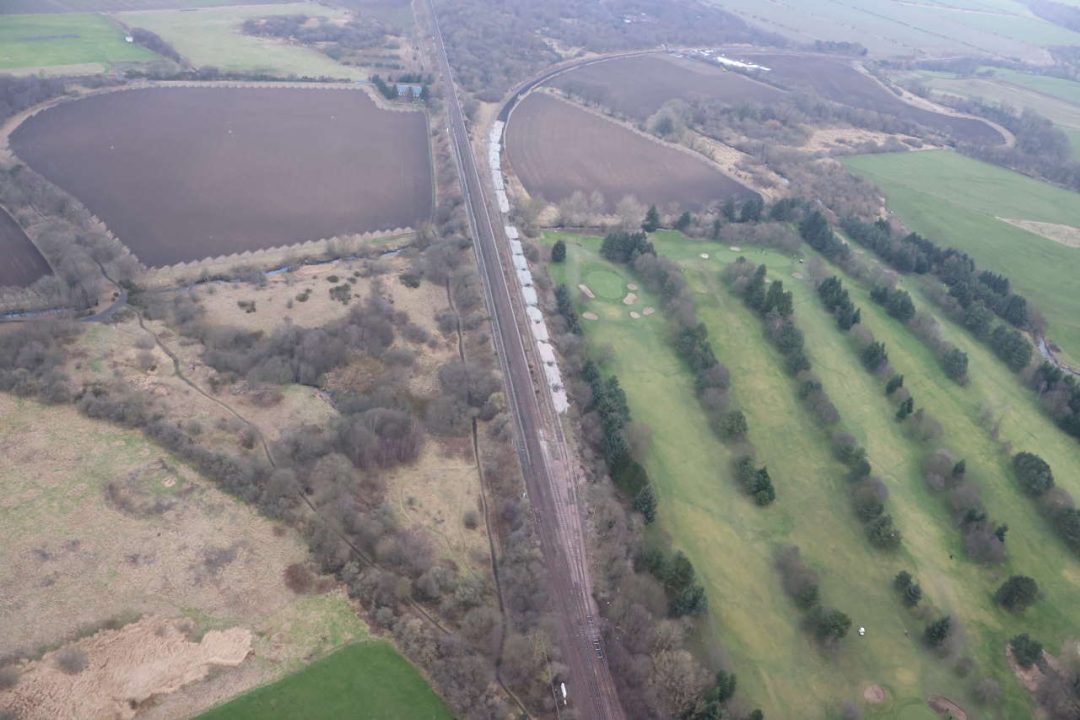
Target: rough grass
x=701 y=509
x=363 y=681
x=213 y=37
x=956 y=201
x=45 y=41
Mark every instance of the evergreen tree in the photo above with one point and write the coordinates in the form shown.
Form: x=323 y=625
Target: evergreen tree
x=1017 y=593
x=645 y=503
x=895 y=383
x=683 y=222
x=937 y=632
x=652 y=220
x=558 y=251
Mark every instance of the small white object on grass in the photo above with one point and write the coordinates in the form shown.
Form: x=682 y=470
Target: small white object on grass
x=862 y=631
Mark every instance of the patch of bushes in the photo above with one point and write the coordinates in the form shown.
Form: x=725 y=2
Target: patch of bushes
x=800 y=582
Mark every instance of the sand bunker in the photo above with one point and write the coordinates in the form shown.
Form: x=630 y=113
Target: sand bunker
x=704 y=256
x=590 y=316
x=586 y=291
x=873 y=694
x=944 y=706
x=630 y=299
x=631 y=286
x=735 y=248
x=124 y=669
x=635 y=315
x=648 y=311
x=1066 y=235
x=797 y=275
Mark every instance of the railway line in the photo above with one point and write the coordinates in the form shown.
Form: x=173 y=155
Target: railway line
x=547 y=465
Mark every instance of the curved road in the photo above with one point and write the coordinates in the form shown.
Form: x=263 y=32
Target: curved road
x=549 y=472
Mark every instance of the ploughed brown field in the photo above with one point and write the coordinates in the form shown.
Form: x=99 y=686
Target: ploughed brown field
x=180 y=174
x=838 y=81
x=638 y=86
x=556 y=148
x=20 y=262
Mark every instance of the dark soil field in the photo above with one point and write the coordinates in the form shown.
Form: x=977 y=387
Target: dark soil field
x=838 y=81
x=21 y=263
x=638 y=86
x=180 y=174
x=556 y=148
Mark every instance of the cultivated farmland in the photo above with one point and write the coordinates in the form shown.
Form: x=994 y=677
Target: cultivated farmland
x=180 y=174
x=557 y=148
x=887 y=673
x=964 y=203
x=22 y=264
x=840 y=82
x=67 y=6
x=638 y=86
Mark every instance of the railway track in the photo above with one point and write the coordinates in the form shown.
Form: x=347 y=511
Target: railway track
x=546 y=462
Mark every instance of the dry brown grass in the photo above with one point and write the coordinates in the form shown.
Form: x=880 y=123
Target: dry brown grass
x=97 y=523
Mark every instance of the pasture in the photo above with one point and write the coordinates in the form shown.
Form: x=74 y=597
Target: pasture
x=180 y=174
x=963 y=203
x=839 y=81
x=365 y=681
x=23 y=263
x=638 y=86
x=54 y=41
x=557 y=148
x=1000 y=28
x=701 y=509
x=212 y=36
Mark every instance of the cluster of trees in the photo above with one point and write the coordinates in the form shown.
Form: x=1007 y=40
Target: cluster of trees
x=564 y=304
x=493 y=46
x=868 y=494
x=20 y=93
x=1059 y=393
x=686 y=596
x=624 y=247
x=343 y=42
x=76 y=247
x=389 y=89
x=984 y=538
x=976 y=297
x=896 y=302
x=1037 y=480
x=800 y=582
x=837 y=301
x=156 y=44
x=910 y=592
x=1017 y=594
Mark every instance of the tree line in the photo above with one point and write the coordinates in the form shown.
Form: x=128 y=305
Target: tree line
x=691 y=342
x=774 y=306
x=974 y=298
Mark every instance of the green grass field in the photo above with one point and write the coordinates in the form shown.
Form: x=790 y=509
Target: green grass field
x=365 y=681
x=730 y=541
x=957 y=201
x=50 y=41
x=213 y=37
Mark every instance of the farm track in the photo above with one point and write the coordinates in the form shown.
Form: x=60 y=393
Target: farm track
x=545 y=460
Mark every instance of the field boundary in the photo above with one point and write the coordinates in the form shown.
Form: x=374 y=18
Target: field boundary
x=931 y=106
x=340 y=245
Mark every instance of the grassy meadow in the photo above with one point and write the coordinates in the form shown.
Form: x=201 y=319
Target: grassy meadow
x=731 y=541
x=93 y=42
x=958 y=202
x=213 y=36
x=365 y=681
